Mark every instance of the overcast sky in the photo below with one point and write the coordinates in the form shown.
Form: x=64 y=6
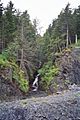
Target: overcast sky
x=44 y=10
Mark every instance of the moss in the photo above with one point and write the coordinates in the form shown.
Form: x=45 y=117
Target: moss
x=48 y=72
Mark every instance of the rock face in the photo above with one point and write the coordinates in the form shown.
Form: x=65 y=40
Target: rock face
x=57 y=107
x=69 y=64
x=8 y=91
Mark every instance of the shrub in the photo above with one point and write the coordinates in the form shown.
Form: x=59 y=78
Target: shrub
x=48 y=72
x=17 y=73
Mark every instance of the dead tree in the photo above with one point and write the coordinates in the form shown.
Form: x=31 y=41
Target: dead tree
x=22 y=52
x=76 y=38
x=67 y=37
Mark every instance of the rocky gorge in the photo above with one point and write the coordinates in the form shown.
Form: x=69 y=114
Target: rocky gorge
x=64 y=104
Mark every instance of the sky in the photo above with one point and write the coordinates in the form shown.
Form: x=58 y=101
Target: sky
x=44 y=10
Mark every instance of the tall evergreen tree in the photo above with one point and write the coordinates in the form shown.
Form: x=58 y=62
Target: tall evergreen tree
x=1 y=23
x=9 y=23
x=76 y=16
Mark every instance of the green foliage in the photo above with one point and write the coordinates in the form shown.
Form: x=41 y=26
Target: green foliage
x=11 y=51
x=78 y=44
x=75 y=45
x=55 y=37
x=18 y=33
x=3 y=61
x=48 y=72
x=9 y=23
x=17 y=74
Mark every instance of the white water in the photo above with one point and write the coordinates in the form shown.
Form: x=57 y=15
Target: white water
x=35 y=83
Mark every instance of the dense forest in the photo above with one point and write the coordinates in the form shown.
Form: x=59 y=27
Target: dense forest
x=24 y=52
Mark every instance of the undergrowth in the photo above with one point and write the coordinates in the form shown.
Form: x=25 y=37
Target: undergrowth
x=48 y=72
x=17 y=74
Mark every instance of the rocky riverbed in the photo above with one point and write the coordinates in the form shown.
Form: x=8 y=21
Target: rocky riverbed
x=64 y=106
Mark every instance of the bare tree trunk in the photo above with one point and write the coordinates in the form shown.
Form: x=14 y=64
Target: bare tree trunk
x=22 y=53
x=76 y=38
x=67 y=36
x=21 y=62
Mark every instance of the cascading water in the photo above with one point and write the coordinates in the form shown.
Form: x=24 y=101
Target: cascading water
x=35 y=83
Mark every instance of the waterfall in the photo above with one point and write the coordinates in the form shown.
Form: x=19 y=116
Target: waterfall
x=35 y=83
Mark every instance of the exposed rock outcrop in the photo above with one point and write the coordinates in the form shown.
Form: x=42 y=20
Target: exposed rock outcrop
x=8 y=90
x=69 y=70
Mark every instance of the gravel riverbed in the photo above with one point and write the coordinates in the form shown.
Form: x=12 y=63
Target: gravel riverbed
x=64 y=106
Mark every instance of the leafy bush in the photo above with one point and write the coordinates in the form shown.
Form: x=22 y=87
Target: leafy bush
x=17 y=73
x=11 y=52
x=48 y=72
x=19 y=76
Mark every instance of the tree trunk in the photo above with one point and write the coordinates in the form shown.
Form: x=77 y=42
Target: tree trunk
x=22 y=53
x=76 y=38
x=67 y=36
x=21 y=62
